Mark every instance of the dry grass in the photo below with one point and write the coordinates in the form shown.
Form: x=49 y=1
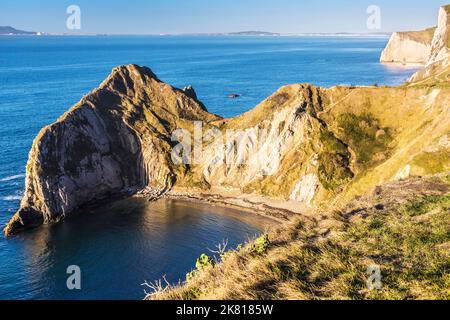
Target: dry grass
x=402 y=227
x=424 y=36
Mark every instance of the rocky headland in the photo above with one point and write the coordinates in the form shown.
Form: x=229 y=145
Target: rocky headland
x=322 y=146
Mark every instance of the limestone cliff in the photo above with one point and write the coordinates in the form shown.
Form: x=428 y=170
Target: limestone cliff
x=438 y=62
x=440 y=45
x=426 y=47
x=409 y=47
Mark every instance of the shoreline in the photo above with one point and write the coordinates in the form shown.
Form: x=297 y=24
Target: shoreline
x=278 y=210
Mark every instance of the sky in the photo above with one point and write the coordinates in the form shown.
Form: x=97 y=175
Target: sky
x=213 y=16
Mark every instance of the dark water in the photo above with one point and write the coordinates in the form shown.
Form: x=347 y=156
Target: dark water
x=41 y=77
x=117 y=247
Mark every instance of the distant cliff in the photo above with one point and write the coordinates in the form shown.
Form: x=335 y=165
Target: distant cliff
x=426 y=47
x=430 y=47
x=409 y=47
x=438 y=62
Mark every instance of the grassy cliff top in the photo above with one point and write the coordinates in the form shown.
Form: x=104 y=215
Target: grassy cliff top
x=401 y=228
x=423 y=36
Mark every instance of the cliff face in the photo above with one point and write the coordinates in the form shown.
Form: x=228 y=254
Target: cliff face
x=426 y=47
x=115 y=141
x=438 y=64
x=409 y=47
x=440 y=45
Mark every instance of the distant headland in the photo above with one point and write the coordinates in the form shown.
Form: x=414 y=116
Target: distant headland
x=8 y=30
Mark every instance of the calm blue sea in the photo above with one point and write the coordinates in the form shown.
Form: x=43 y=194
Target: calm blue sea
x=41 y=77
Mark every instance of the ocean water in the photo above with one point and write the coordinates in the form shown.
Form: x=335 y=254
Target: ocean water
x=41 y=77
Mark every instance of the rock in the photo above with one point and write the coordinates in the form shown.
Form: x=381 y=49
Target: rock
x=438 y=60
x=190 y=92
x=305 y=189
x=403 y=173
x=114 y=142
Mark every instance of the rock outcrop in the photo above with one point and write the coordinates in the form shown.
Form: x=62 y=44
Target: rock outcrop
x=115 y=141
x=316 y=144
x=440 y=45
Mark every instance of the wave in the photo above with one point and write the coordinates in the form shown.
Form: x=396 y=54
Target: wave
x=15 y=177
x=12 y=198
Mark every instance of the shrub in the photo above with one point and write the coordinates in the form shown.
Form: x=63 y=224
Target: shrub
x=260 y=245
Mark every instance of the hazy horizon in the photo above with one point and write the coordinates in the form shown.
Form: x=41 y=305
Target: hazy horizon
x=138 y=17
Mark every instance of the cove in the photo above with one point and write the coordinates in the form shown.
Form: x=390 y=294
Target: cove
x=119 y=246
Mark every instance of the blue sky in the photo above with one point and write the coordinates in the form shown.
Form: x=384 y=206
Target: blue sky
x=192 y=16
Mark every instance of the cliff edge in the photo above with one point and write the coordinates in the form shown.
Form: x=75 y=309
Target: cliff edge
x=437 y=66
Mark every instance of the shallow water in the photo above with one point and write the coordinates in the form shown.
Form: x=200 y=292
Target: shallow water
x=41 y=77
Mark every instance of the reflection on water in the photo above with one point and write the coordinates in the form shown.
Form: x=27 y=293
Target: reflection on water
x=118 y=247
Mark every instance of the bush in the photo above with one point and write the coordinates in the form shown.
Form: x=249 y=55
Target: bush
x=202 y=263
x=260 y=245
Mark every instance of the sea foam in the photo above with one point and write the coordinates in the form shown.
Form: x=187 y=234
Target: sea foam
x=15 y=177
x=12 y=198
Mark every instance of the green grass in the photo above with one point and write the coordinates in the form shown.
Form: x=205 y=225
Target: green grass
x=365 y=136
x=433 y=162
x=334 y=162
x=406 y=249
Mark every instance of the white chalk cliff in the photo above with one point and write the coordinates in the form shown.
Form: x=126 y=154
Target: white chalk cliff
x=439 y=59
x=409 y=47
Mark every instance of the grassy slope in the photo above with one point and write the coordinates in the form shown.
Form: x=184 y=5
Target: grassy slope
x=412 y=122
x=401 y=227
x=380 y=129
